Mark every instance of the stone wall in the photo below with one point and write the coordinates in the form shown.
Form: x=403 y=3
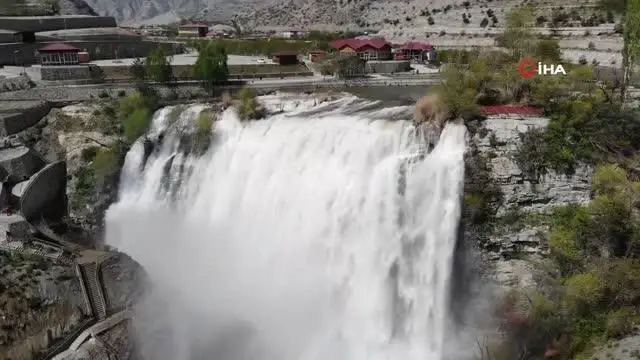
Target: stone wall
x=71 y=72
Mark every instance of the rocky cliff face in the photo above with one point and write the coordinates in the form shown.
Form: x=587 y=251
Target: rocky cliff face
x=518 y=239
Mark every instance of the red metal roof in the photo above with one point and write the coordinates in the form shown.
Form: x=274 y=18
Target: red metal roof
x=416 y=45
x=357 y=44
x=512 y=109
x=58 y=47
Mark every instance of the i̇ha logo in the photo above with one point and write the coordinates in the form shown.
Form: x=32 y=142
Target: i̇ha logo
x=528 y=68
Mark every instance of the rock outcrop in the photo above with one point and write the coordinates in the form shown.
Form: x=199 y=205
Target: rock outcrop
x=511 y=250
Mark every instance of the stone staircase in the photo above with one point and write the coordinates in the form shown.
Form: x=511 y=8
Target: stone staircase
x=94 y=290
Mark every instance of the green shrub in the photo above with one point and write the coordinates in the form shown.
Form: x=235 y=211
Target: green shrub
x=202 y=136
x=85 y=189
x=565 y=249
x=105 y=164
x=103 y=94
x=620 y=322
x=610 y=179
x=136 y=124
x=135 y=112
x=249 y=108
x=131 y=103
x=89 y=153
x=583 y=291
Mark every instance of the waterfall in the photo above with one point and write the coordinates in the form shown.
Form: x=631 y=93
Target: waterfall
x=315 y=234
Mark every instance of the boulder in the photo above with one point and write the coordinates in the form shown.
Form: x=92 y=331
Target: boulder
x=19 y=163
x=22 y=115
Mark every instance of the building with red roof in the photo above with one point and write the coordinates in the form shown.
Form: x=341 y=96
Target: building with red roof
x=415 y=51
x=366 y=49
x=59 y=54
x=193 y=29
x=286 y=57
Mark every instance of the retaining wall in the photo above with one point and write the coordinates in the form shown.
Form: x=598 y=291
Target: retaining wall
x=26 y=54
x=71 y=72
x=387 y=67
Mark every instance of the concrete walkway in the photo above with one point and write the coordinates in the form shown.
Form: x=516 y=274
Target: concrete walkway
x=94 y=331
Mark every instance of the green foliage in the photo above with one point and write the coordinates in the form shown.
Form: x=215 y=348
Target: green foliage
x=583 y=291
x=327 y=68
x=249 y=108
x=620 y=322
x=482 y=196
x=135 y=111
x=203 y=131
x=547 y=50
x=105 y=164
x=517 y=37
x=348 y=67
x=211 y=66
x=158 y=67
x=136 y=124
x=459 y=90
x=85 y=189
x=585 y=130
x=595 y=248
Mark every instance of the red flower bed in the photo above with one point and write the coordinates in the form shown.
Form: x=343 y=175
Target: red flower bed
x=511 y=109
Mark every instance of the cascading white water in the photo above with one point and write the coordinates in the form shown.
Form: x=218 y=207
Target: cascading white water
x=310 y=235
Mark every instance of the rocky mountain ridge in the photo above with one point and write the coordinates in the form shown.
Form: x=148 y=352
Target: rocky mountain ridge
x=336 y=14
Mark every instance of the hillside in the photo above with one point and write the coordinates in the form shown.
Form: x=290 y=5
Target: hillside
x=329 y=14
x=45 y=7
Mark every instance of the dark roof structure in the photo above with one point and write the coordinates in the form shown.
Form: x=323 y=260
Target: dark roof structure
x=357 y=44
x=58 y=47
x=416 y=46
x=285 y=53
x=194 y=26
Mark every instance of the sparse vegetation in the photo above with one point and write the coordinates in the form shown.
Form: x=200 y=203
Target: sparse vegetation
x=592 y=293
x=203 y=131
x=248 y=106
x=105 y=164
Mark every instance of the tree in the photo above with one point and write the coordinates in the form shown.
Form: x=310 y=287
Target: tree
x=158 y=67
x=54 y=6
x=631 y=49
x=211 y=66
x=518 y=36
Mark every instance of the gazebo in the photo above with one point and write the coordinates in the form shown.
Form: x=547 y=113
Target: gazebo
x=59 y=54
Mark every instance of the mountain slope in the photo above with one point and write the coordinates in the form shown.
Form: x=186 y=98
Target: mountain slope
x=339 y=14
